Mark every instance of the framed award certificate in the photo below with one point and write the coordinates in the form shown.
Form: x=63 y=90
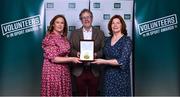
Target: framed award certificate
x=86 y=50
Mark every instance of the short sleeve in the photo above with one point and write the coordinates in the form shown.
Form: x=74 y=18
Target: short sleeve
x=50 y=48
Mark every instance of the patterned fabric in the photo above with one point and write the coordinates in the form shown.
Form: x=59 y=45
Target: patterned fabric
x=117 y=78
x=56 y=79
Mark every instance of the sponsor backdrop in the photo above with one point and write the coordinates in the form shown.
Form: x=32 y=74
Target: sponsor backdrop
x=102 y=11
x=20 y=52
x=156 y=42
x=157 y=47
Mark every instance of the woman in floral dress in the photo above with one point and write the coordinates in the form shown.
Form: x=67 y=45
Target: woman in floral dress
x=56 y=80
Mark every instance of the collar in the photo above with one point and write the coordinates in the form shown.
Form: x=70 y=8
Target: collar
x=84 y=30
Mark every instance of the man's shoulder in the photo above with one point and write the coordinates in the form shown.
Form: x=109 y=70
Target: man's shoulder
x=97 y=30
x=78 y=30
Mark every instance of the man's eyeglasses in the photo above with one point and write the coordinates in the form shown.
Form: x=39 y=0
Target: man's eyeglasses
x=87 y=17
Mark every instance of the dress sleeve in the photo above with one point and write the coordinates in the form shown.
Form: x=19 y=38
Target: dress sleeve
x=50 y=48
x=124 y=60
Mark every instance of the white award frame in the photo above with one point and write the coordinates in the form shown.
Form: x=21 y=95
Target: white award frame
x=87 y=50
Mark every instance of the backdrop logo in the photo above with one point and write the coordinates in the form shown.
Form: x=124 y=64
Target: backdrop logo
x=117 y=5
x=21 y=26
x=96 y=5
x=158 y=25
x=72 y=28
x=106 y=16
x=72 y=5
x=127 y=16
x=50 y=5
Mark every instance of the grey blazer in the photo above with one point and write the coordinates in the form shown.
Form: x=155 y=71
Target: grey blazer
x=76 y=36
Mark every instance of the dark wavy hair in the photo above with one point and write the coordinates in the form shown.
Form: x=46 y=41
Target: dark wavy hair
x=51 y=28
x=123 y=29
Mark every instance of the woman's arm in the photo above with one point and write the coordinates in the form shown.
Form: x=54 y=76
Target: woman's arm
x=108 y=62
x=66 y=60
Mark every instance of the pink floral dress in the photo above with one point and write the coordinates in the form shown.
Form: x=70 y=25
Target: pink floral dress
x=56 y=80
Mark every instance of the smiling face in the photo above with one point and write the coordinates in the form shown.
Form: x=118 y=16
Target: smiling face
x=59 y=25
x=86 y=19
x=116 y=25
